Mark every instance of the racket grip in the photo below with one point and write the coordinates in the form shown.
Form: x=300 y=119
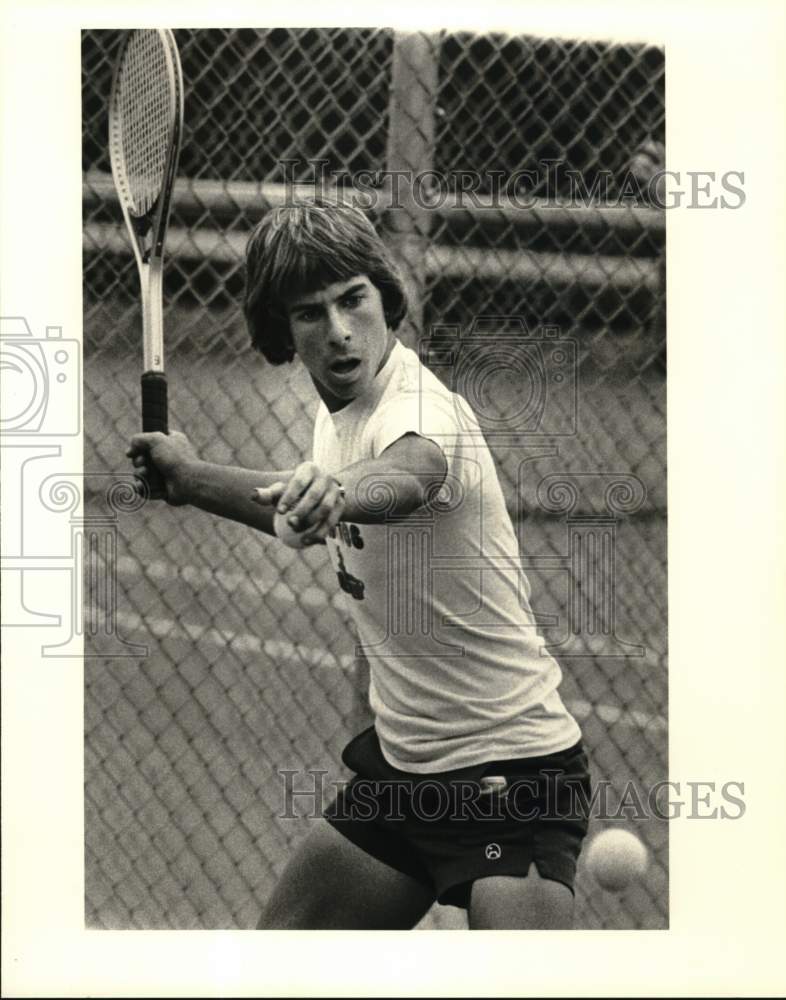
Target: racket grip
x=154 y=402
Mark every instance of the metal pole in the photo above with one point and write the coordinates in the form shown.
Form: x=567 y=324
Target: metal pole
x=410 y=153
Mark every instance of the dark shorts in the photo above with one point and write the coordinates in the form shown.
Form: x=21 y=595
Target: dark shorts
x=446 y=830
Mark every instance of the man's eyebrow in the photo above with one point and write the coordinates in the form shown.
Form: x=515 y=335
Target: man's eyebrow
x=359 y=286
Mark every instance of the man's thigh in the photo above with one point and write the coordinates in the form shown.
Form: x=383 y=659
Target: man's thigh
x=330 y=884
x=515 y=903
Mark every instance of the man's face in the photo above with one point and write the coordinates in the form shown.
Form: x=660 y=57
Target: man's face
x=341 y=335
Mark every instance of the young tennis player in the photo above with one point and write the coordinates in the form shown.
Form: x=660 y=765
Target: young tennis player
x=468 y=787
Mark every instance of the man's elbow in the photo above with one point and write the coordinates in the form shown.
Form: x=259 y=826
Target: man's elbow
x=427 y=485
x=421 y=471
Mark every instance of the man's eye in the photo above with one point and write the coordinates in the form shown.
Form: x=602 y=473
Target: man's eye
x=353 y=301
x=306 y=316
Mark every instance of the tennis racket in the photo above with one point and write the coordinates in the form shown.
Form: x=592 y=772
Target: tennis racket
x=145 y=128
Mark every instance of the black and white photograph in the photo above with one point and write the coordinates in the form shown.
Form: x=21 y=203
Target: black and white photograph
x=413 y=290
x=361 y=524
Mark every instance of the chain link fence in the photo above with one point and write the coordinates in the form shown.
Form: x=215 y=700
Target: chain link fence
x=511 y=175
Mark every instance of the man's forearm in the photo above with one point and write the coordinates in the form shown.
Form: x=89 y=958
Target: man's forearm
x=404 y=477
x=380 y=489
x=226 y=491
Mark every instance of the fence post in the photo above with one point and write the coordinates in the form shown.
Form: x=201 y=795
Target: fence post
x=410 y=152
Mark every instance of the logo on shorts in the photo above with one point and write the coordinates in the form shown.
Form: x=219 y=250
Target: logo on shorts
x=493 y=852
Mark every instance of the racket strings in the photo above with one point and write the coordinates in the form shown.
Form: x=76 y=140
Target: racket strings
x=145 y=102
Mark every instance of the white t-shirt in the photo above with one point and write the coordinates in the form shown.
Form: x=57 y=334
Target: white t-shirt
x=458 y=672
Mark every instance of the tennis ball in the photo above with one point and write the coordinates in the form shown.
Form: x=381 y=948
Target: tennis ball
x=616 y=858
x=288 y=535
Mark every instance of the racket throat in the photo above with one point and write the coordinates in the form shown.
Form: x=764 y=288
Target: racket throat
x=152 y=316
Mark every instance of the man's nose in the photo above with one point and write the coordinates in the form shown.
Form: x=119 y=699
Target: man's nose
x=338 y=328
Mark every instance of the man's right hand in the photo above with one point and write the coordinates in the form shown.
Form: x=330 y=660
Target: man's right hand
x=171 y=456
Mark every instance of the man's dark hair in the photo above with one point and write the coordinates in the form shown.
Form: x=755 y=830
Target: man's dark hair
x=305 y=247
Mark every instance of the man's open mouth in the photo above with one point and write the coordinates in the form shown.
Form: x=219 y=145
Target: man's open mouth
x=345 y=366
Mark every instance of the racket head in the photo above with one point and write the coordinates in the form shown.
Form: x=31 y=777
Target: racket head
x=145 y=128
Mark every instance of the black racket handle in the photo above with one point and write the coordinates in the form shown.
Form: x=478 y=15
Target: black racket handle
x=154 y=402
x=155 y=418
